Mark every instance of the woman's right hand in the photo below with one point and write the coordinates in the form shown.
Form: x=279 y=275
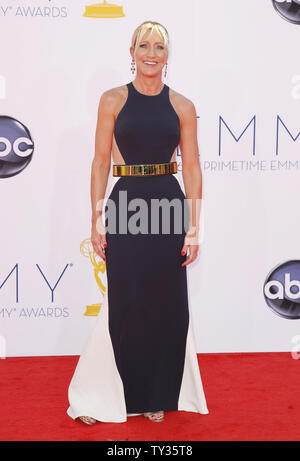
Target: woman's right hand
x=98 y=238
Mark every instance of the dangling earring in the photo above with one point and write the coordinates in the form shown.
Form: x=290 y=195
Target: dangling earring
x=133 y=66
x=166 y=67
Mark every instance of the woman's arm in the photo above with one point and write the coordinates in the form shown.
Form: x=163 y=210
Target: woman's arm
x=101 y=167
x=192 y=176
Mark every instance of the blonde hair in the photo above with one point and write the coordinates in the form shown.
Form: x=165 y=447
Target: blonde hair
x=141 y=30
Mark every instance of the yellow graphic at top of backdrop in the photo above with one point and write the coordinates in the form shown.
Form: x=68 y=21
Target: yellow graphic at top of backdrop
x=87 y=250
x=104 y=10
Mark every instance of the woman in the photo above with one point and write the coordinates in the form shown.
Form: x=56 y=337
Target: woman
x=140 y=358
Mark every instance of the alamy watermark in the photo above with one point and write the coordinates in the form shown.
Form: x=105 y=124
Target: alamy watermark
x=165 y=216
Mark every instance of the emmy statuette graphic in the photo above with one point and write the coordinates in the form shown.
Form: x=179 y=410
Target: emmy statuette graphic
x=103 y=10
x=86 y=249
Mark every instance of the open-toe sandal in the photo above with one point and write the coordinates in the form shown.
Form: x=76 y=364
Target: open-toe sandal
x=88 y=420
x=156 y=416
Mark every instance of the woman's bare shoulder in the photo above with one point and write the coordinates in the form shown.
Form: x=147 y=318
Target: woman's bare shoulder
x=115 y=92
x=114 y=97
x=181 y=103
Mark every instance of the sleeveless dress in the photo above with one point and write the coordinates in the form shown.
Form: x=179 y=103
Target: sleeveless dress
x=141 y=355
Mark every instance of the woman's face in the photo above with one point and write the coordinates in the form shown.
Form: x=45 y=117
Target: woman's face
x=150 y=49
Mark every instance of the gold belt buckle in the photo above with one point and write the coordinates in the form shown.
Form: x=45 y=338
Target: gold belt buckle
x=144 y=169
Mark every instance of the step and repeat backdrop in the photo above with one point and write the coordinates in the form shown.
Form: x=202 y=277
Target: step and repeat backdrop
x=237 y=61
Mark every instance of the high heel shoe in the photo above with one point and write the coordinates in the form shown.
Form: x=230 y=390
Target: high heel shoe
x=156 y=416
x=88 y=420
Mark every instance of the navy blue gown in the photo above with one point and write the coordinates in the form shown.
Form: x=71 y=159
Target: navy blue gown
x=141 y=356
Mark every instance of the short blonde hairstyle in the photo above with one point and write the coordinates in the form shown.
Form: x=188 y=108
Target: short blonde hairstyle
x=141 y=30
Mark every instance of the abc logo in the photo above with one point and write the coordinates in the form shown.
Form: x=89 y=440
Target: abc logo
x=16 y=147
x=282 y=290
x=288 y=9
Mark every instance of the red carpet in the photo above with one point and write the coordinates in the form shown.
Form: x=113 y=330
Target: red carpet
x=250 y=397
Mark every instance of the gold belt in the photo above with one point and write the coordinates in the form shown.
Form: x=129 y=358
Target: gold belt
x=144 y=169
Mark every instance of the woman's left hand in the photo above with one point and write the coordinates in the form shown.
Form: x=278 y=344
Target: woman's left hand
x=191 y=247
